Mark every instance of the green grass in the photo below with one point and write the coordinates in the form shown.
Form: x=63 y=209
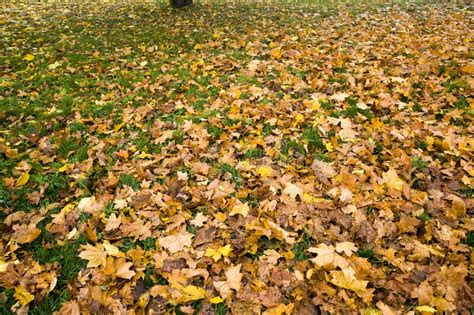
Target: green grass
x=418 y=164
x=367 y=252
x=299 y=248
x=234 y=173
x=129 y=180
x=469 y=240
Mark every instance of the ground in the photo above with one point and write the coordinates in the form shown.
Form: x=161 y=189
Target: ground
x=288 y=159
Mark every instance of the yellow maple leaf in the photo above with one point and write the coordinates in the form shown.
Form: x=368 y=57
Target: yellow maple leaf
x=216 y=254
x=264 y=171
x=242 y=209
x=95 y=256
x=177 y=242
x=329 y=146
x=326 y=254
x=3 y=266
x=339 y=278
x=469 y=68
x=234 y=277
x=192 y=293
x=392 y=180
x=22 y=180
x=23 y=296
x=346 y=247
x=63 y=168
x=112 y=250
x=29 y=57
x=425 y=308
x=216 y=300
x=276 y=52
x=123 y=269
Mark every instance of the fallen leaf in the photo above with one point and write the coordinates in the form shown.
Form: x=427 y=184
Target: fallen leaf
x=28 y=57
x=94 y=255
x=264 y=171
x=177 y=242
x=23 y=296
x=293 y=190
x=234 y=277
x=22 y=180
x=391 y=179
x=123 y=269
x=241 y=208
x=339 y=279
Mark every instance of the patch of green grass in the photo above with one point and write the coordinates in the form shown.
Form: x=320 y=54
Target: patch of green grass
x=221 y=309
x=235 y=174
x=191 y=229
x=367 y=252
x=267 y=129
x=5 y=306
x=254 y=153
x=425 y=216
x=290 y=147
x=468 y=192
x=65 y=146
x=214 y=130
x=51 y=303
x=419 y=164
x=66 y=256
x=77 y=126
x=178 y=136
x=455 y=85
x=420 y=144
x=299 y=249
x=148 y=243
x=127 y=244
x=461 y=102
x=312 y=138
x=58 y=183
x=127 y=179
x=469 y=240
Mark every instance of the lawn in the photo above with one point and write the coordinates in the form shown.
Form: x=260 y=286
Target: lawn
x=298 y=158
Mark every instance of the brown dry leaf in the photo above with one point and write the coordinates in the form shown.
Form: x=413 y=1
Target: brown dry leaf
x=27 y=234
x=458 y=208
x=234 y=277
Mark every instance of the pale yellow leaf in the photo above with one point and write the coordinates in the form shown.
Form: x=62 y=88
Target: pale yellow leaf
x=95 y=256
x=293 y=190
x=112 y=250
x=177 y=242
x=264 y=171
x=22 y=180
x=325 y=254
x=28 y=57
x=193 y=293
x=3 y=266
x=216 y=300
x=425 y=308
x=242 y=209
x=340 y=279
x=347 y=247
x=23 y=296
x=392 y=180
